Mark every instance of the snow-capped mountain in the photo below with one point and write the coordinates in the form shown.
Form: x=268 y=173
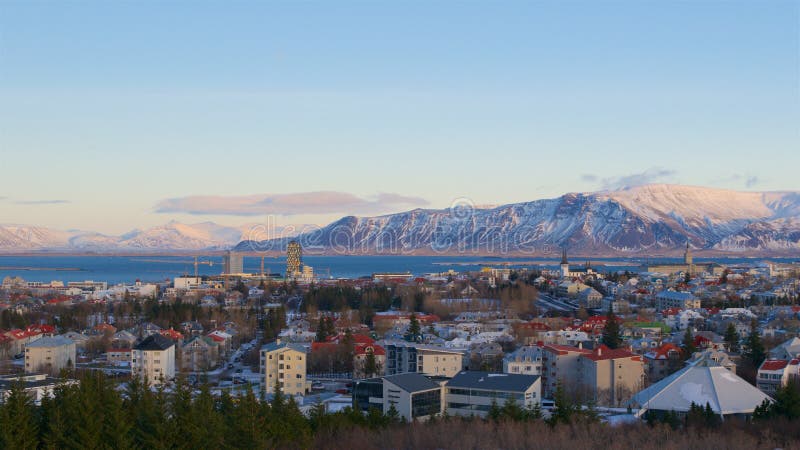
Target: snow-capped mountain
x=652 y=219
x=172 y=236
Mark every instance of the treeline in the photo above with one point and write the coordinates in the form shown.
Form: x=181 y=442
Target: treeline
x=96 y=414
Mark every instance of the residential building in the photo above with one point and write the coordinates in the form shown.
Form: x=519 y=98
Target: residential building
x=590 y=298
x=610 y=376
x=662 y=361
x=775 y=373
x=233 y=263
x=472 y=393
x=294 y=259
x=49 y=355
x=559 y=365
x=410 y=358
x=285 y=364
x=37 y=386
x=200 y=353
x=675 y=299
x=526 y=360
x=153 y=359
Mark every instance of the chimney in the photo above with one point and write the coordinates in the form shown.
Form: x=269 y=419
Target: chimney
x=278 y=341
x=600 y=351
x=580 y=345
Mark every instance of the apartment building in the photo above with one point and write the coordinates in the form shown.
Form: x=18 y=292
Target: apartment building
x=285 y=364
x=153 y=359
x=49 y=355
x=610 y=377
x=412 y=358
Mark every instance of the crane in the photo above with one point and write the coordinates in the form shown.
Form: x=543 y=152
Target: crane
x=197 y=263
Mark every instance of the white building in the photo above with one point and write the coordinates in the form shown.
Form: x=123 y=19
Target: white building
x=153 y=359
x=525 y=360
x=472 y=393
x=49 y=355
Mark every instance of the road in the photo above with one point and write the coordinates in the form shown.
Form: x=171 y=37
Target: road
x=549 y=302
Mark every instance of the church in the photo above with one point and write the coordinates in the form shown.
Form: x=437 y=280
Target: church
x=580 y=272
x=688 y=265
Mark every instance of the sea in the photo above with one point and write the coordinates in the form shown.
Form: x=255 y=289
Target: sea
x=127 y=269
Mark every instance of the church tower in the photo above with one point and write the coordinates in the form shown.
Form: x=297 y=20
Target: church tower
x=564 y=264
x=687 y=255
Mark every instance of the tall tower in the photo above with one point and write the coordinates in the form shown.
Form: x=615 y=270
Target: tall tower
x=564 y=263
x=294 y=259
x=687 y=255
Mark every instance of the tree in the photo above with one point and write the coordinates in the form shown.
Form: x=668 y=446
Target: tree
x=370 y=364
x=414 y=330
x=732 y=337
x=754 y=352
x=612 y=337
x=18 y=419
x=688 y=343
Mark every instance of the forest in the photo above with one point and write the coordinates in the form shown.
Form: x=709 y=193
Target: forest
x=100 y=414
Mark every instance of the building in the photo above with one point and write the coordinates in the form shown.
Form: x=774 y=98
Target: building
x=570 y=289
x=49 y=355
x=200 y=353
x=294 y=259
x=413 y=396
x=410 y=358
x=153 y=359
x=775 y=373
x=701 y=383
x=525 y=360
x=590 y=299
x=675 y=299
x=662 y=361
x=37 y=386
x=610 y=377
x=285 y=364
x=473 y=393
x=559 y=365
x=233 y=263
x=187 y=283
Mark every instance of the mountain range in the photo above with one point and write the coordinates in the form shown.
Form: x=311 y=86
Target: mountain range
x=648 y=220
x=652 y=220
x=174 y=236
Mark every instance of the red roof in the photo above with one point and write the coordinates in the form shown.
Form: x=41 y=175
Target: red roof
x=602 y=353
x=216 y=338
x=172 y=334
x=363 y=349
x=663 y=351
x=563 y=349
x=774 y=364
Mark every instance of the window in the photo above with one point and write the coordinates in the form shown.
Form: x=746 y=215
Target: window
x=299 y=375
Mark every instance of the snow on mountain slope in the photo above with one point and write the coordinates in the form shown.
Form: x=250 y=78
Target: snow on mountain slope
x=654 y=218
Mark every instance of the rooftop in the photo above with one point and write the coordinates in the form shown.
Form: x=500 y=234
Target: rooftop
x=493 y=381
x=412 y=382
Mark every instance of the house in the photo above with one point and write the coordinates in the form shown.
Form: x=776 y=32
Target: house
x=590 y=298
x=526 y=360
x=571 y=289
x=285 y=364
x=361 y=355
x=775 y=373
x=409 y=358
x=704 y=382
x=610 y=376
x=123 y=339
x=788 y=350
x=473 y=393
x=153 y=359
x=662 y=361
x=198 y=354
x=413 y=396
x=79 y=339
x=49 y=355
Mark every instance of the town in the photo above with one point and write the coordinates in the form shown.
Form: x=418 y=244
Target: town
x=669 y=343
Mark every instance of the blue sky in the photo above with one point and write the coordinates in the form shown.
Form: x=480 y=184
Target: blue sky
x=115 y=115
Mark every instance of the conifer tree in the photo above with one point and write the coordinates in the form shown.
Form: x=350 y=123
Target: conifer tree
x=754 y=352
x=612 y=336
x=688 y=343
x=17 y=415
x=732 y=337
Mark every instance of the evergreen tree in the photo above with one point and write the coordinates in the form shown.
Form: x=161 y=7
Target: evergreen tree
x=494 y=411
x=612 y=336
x=563 y=409
x=732 y=337
x=18 y=417
x=754 y=352
x=370 y=364
x=414 y=330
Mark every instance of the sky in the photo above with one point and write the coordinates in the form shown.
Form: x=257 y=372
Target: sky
x=117 y=115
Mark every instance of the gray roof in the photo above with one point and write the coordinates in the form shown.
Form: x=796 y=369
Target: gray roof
x=412 y=382
x=45 y=342
x=700 y=383
x=275 y=345
x=154 y=342
x=493 y=381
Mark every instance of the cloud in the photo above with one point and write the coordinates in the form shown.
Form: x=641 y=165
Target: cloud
x=321 y=202
x=751 y=181
x=41 y=202
x=747 y=180
x=649 y=176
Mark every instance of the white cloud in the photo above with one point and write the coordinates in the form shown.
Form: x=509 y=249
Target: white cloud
x=649 y=176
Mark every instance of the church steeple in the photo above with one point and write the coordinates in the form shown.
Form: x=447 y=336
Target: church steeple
x=687 y=255
x=564 y=256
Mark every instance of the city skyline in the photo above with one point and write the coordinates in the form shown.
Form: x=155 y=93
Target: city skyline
x=129 y=115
